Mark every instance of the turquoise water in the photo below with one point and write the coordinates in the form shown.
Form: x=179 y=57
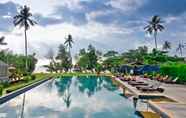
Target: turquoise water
x=85 y=97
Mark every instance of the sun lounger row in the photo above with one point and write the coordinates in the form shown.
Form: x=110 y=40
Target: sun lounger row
x=143 y=86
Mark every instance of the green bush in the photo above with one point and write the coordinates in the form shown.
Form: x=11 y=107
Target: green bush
x=5 y=84
x=33 y=77
x=27 y=78
x=174 y=70
x=1 y=90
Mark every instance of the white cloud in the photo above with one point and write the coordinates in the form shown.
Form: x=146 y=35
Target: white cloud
x=41 y=38
x=47 y=7
x=126 y=5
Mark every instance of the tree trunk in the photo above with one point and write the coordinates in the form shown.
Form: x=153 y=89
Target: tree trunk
x=155 y=39
x=26 y=51
x=181 y=52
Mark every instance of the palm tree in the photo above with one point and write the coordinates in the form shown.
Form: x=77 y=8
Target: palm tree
x=166 y=45
x=180 y=48
x=23 y=19
x=68 y=42
x=154 y=26
x=2 y=41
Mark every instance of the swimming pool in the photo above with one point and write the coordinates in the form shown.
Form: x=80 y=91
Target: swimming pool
x=71 y=97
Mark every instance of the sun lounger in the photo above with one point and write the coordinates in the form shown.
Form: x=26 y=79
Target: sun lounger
x=153 y=88
x=143 y=86
x=133 y=82
x=138 y=83
x=170 y=81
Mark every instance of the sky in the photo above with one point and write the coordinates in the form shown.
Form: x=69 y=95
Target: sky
x=106 y=24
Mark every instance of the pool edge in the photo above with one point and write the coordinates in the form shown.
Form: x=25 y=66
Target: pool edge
x=11 y=95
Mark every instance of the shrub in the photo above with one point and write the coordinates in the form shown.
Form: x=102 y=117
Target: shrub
x=27 y=78
x=1 y=90
x=174 y=70
x=5 y=84
x=33 y=77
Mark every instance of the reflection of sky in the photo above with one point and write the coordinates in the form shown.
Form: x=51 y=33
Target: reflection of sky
x=45 y=101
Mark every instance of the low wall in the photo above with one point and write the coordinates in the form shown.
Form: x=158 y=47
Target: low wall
x=11 y=95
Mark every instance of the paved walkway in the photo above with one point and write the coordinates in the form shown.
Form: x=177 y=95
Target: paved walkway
x=177 y=92
x=173 y=91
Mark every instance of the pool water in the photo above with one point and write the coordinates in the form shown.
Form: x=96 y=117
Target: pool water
x=71 y=97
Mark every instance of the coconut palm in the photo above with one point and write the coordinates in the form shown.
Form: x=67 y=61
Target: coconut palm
x=23 y=19
x=180 y=48
x=166 y=45
x=2 y=41
x=68 y=42
x=154 y=26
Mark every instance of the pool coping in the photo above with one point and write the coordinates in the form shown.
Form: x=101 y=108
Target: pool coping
x=9 y=96
x=164 y=113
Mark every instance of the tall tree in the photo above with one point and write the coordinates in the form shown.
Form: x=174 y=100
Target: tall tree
x=68 y=42
x=23 y=19
x=154 y=26
x=63 y=56
x=88 y=59
x=180 y=48
x=92 y=57
x=166 y=45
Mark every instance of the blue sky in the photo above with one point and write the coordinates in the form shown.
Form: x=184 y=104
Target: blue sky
x=107 y=24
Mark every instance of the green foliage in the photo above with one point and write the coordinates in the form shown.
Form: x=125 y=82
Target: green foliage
x=88 y=59
x=33 y=77
x=64 y=57
x=1 y=89
x=113 y=62
x=19 y=61
x=110 y=53
x=98 y=68
x=174 y=70
x=136 y=55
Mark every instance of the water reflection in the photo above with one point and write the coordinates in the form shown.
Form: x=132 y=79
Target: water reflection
x=63 y=84
x=84 y=97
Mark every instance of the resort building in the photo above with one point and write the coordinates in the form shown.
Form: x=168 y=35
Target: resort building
x=3 y=71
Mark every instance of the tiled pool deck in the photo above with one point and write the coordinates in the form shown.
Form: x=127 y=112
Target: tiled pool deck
x=167 y=109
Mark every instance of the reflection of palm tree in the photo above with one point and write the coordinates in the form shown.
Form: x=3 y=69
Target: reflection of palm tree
x=23 y=19
x=180 y=48
x=63 y=84
x=88 y=83
x=67 y=100
x=154 y=26
x=92 y=84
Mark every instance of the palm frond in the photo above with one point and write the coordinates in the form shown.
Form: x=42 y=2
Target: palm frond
x=23 y=18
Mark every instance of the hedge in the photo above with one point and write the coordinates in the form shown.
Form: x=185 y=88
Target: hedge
x=174 y=70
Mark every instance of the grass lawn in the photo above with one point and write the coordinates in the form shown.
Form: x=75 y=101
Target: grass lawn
x=21 y=84
x=41 y=76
